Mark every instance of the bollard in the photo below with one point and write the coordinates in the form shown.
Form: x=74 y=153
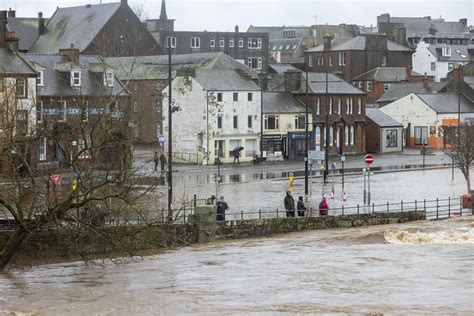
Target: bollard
x=259 y=214
x=437 y=208
x=241 y=215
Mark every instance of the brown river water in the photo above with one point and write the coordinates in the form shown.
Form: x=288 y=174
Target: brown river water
x=414 y=268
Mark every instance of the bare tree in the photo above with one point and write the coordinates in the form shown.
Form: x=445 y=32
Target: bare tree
x=460 y=148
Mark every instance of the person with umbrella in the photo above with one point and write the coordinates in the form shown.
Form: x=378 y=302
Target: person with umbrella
x=236 y=153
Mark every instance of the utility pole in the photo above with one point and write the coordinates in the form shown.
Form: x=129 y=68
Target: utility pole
x=261 y=113
x=170 y=137
x=326 y=124
x=306 y=133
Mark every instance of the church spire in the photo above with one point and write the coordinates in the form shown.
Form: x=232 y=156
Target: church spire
x=163 y=15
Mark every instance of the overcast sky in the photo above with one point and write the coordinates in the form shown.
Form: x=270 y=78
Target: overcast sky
x=223 y=15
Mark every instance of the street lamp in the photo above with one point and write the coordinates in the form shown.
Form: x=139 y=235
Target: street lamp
x=306 y=133
x=261 y=74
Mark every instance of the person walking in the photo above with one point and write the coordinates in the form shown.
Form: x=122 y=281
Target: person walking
x=221 y=208
x=163 y=161
x=323 y=207
x=300 y=207
x=156 y=159
x=236 y=156
x=289 y=204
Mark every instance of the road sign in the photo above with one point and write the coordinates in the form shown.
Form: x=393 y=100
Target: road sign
x=161 y=139
x=369 y=159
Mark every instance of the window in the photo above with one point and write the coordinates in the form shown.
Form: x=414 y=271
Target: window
x=300 y=121
x=172 y=40
x=433 y=66
x=330 y=106
x=359 y=105
x=255 y=62
x=85 y=111
x=236 y=121
x=319 y=61
x=135 y=106
x=39 y=111
x=339 y=102
x=40 y=78
x=346 y=135
x=249 y=121
x=318 y=106
x=369 y=86
x=330 y=60
x=42 y=149
x=361 y=85
x=241 y=42
x=109 y=78
x=222 y=42
x=446 y=51
x=212 y=43
x=195 y=42
x=249 y=147
x=219 y=146
x=235 y=96
x=75 y=78
x=219 y=96
x=348 y=105
x=250 y=96
x=83 y=146
x=352 y=135
x=62 y=111
x=21 y=88
x=219 y=121
x=342 y=59
x=331 y=136
x=391 y=138
x=421 y=135
x=450 y=66
x=384 y=61
x=255 y=43
x=386 y=86
x=310 y=61
x=351 y=105
x=272 y=122
x=135 y=86
x=231 y=42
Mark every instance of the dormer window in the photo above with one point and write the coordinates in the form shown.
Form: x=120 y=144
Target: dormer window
x=446 y=51
x=40 y=78
x=109 y=78
x=75 y=78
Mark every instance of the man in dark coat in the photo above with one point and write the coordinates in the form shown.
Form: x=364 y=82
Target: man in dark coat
x=300 y=206
x=163 y=161
x=221 y=208
x=289 y=204
x=156 y=159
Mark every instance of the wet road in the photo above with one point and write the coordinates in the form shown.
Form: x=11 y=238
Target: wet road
x=414 y=268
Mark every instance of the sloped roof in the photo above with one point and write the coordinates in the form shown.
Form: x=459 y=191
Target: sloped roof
x=285 y=45
x=224 y=80
x=156 y=67
x=380 y=118
x=384 y=74
x=458 y=52
x=281 y=68
x=57 y=82
x=74 y=25
x=282 y=102
x=14 y=63
x=469 y=80
x=421 y=25
x=336 y=85
x=26 y=30
x=446 y=102
x=360 y=43
x=399 y=90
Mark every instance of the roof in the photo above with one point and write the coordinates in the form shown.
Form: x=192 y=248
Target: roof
x=360 y=43
x=421 y=25
x=26 y=30
x=276 y=32
x=458 y=52
x=282 y=102
x=74 y=25
x=469 y=81
x=224 y=80
x=156 y=67
x=446 y=102
x=281 y=68
x=336 y=85
x=384 y=74
x=14 y=63
x=399 y=90
x=380 y=118
x=56 y=77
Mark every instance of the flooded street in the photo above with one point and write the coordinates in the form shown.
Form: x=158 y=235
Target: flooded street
x=420 y=267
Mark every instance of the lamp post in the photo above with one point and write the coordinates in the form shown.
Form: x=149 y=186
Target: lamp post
x=170 y=133
x=262 y=74
x=326 y=124
x=306 y=133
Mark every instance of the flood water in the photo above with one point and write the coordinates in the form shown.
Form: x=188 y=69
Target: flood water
x=420 y=267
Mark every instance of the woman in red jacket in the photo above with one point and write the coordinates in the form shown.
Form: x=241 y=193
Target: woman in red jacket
x=323 y=207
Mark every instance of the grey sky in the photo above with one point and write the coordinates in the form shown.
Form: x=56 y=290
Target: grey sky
x=223 y=15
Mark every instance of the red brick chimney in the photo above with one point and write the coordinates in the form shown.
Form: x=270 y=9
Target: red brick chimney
x=458 y=73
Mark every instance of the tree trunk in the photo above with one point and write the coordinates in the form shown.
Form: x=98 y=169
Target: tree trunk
x=12 y=247
x=468 y=180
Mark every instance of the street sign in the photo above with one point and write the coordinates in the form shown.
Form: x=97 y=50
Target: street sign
x=320 y=155
x=343 y=158
x=161 y=139
x=369 y=159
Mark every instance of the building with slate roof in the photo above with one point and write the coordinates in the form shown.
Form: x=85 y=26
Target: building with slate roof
x=97 y=30
x=382 y=134
x=26 y=29
x=17 y=104
x=399 y=90
x=438 y=59
x=358 y=55
x=424 y=116
x=216 y=111
x=284 y=118
x=146 y=76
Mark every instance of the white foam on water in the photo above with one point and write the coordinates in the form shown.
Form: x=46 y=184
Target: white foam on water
x=439 y=237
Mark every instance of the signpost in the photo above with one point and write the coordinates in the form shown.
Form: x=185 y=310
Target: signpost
x=343 y=159
x=369 y=159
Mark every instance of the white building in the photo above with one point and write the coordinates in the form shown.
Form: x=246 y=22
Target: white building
x=215 y=112
x=439 y=59
x=424 y=115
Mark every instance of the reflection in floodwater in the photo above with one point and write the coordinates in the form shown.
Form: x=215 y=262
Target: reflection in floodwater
x=365 y=270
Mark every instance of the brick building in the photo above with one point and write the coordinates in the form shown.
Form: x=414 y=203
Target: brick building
x=358 y=55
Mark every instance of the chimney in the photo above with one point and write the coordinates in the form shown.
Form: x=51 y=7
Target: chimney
x=292 y=80
x=424 y=81
x=458 y=74
x=376 y=42
x=236 y=29
x=11 y=41
x=123 y=2
x=3 y=28
x=41 y=28
x=432 y=30
x=400 y=35
x=407 y=73
x=463 y=21
x=71 y=53
x=12 y=13
x=327 y=42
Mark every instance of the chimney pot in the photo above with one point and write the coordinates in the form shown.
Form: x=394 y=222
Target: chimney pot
x=236 y=29
x=11 y=13
x=327 y=42
x=41 y=27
